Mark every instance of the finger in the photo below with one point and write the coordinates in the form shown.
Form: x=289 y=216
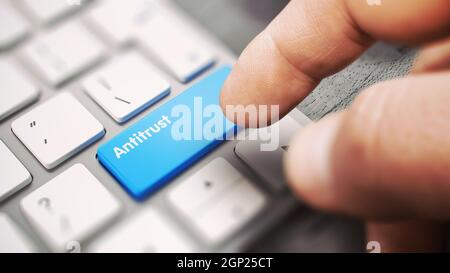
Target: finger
x=408 y=236
x=433 y=57
x=311 y=39
x=386 y=157
x=409 y=22
x=287 y=60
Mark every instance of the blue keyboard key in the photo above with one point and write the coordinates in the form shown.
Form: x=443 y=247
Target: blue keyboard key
x=150 y=153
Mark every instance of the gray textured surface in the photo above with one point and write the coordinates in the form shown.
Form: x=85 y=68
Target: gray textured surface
x=380 y=62
x=236 y=22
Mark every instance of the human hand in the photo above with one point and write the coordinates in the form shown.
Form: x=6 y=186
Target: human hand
x=386 y=159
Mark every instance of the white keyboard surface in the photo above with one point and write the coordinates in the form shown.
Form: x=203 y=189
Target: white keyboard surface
x=13 y=27
x=70 y=207
x=49 y=10
x=17 y=90
x=57 y=129
x=123 y=94
x=146 y=232
x=185 y=56
x=12 y=237
x=224 y=200
x=13 y=175
x=72 y=77
x=57 y=57
x=120 y=20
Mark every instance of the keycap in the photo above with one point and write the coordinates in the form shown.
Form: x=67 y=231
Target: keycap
x=13 y=175
x=268 y=163
x=205 y=186
x=175 y=46
x=218 y=200
x=50 y=10
x=13 y=27
x=150 y=153
x=162 y=33
x=69 y=208
x=12 y=238
x=119 y=19
x=63 y=53
x=16 y=90
x=147 y=231
x=123 y=94
x=57 y=129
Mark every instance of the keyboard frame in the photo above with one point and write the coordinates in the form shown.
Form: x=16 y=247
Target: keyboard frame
x=279 y=204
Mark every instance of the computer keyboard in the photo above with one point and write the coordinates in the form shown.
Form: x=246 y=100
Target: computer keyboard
x=81 y=78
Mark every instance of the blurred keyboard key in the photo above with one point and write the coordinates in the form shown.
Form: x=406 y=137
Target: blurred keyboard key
x=63 y=53
x=13 y=175
x=16 y=90
x=147 y=231
x=232 y=203
x=119 y=19
x=69 y=208
x=204 y=185
x=123 y=94
x=13 y=26
x=175 y=46
x=12 y=238
x=163 y=34
x=57 y=129
x=267 y=163
x=230 y=213
x=50 y=10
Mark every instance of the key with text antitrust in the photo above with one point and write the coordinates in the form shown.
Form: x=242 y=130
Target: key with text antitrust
x=150 y=153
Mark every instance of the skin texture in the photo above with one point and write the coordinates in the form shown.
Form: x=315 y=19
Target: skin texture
x=386 y=158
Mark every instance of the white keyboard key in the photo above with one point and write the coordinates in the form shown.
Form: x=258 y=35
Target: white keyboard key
x=119 y=19
x=176 y=46
x=123 y=94
x=64 y=52
x=16 y=90
x=226 y=215
x=13 y=175
x=50 y=10
x=12 y=239
x=217 y=199
x=148 y=231
x=13 y=26
x=165 y=35
x=206 y=184
x=268 y=163
x=70 y=207
x=57 y=129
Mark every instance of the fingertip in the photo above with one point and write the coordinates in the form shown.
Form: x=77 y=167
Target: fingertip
x=236 y=111
x=225 y=99
x=308 y=165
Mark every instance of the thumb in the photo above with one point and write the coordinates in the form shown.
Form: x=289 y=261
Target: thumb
x=387 y=157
